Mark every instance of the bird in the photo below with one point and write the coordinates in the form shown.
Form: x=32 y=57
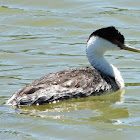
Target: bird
x=79 y=82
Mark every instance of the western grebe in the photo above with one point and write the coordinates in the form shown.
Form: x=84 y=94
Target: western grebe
x=79 y=82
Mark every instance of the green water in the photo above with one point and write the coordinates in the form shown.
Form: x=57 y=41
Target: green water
x=39 y=37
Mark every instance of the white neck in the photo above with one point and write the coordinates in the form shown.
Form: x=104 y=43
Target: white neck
x=96 y=47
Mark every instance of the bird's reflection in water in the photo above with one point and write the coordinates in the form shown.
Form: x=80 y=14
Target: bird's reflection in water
x=106 y=108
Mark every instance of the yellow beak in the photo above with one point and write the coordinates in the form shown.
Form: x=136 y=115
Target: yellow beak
x=129 y=48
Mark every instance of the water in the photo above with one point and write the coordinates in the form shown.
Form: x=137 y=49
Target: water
x=39 y=37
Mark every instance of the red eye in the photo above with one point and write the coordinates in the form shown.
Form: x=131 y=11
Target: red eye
x=116 y=42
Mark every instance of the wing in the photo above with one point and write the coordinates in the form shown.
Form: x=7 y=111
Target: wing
x=62 y=85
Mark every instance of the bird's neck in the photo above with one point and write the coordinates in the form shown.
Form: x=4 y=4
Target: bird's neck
x=95 y=55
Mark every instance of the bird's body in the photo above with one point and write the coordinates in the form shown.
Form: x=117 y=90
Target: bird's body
x=73 y=83
x=79 y=82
